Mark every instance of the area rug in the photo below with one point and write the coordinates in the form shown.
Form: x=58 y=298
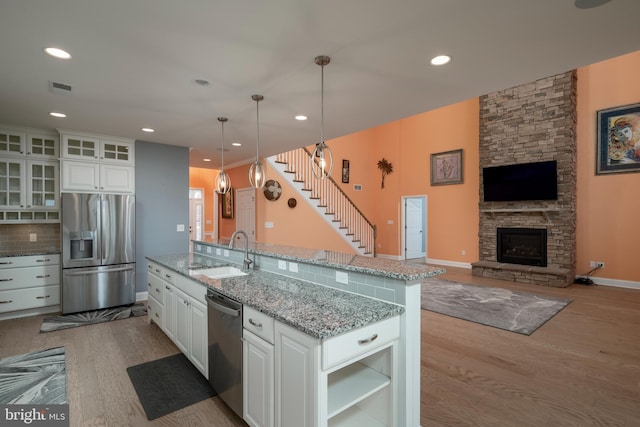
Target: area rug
x=169 y=384
x=34 y=378
x=513 y=311
x=67 y=321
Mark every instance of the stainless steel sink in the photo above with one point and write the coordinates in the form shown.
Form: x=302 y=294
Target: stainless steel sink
x=220 y=272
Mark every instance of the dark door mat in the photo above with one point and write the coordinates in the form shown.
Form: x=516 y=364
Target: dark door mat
x=168 y=384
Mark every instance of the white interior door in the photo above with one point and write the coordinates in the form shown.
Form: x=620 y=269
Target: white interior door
x=415 y=227
x=196 y=214
x=246 y=212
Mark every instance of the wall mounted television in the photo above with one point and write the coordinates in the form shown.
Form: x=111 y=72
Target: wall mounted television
x=518 y=182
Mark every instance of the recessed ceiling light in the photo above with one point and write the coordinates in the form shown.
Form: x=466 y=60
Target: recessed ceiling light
x=301 y=117
x=440 y=60
x=236 y=144
x=58 y=53
x=201 y=82
x=57 y=114
x=589 y=4
x=148 y=130
x=206 y=160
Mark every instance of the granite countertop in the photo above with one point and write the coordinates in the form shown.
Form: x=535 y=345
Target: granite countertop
x=28 y=253
x=362 y=264
x=319 y=311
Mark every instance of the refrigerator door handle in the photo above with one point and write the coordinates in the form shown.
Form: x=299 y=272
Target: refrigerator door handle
x=84 y=273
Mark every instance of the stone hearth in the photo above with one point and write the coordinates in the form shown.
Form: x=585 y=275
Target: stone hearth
x=531 y=123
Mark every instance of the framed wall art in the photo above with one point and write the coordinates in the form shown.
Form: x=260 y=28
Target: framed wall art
x=345 y=171
x=446 y=167
x=227 y=204
x=618 y=140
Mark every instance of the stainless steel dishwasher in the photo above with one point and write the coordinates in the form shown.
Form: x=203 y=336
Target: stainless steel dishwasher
x=225 y=348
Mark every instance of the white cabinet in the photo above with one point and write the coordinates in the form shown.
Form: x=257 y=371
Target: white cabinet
x=177 y=305
x=96 y=177
x=258 y=381
x=97 y=163
x=97 y=148
x=29 y=285
x=348 y=380
x=258 y=384
x=29 y=179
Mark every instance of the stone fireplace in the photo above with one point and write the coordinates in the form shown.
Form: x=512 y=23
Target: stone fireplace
x=531 y=123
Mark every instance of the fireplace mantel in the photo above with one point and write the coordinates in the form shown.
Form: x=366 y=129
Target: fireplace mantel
x=542 y=211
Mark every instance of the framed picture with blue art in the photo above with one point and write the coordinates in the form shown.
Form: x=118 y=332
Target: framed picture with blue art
x=618 y=140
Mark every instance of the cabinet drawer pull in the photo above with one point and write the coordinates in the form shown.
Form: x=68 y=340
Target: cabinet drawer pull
x=43 y=297
x=6 y=302
x=43 y=277
x=156 y=314
x=6 y=280
x=157 y=271
x=254 y=323
x=167 y=288
x=168 y=276
x=157 y=290
x=43 y=260
x=368 y=340
x=6 y=262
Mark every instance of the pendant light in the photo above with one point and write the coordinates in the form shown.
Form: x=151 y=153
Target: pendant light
x=257 y=172
x=223 y=181
x=322 y=158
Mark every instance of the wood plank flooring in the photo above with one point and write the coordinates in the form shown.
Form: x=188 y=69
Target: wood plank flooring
x=582 y=368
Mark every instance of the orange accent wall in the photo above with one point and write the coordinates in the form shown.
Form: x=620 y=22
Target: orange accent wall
x=204 y=178
x=608 y=228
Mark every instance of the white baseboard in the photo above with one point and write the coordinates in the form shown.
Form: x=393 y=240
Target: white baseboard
x=142 y=296
x=614 y=282
x=387 y=256
x=458 y=264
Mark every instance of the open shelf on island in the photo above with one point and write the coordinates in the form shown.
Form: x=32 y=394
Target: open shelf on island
x=353 y=384
x=354 y=417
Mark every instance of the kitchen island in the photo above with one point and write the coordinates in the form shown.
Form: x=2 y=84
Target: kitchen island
x=284 y=287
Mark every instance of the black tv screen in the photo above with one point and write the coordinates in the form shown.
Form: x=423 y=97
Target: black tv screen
x=525 y=181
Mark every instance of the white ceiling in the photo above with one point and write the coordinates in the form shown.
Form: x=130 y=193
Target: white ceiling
x=135 y=61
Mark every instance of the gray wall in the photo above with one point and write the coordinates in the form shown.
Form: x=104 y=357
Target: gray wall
x=162 y=202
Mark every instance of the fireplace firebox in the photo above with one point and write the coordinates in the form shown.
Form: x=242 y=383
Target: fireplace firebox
x=527 y=246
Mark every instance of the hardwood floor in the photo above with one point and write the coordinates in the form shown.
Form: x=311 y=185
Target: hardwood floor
x=582 y=368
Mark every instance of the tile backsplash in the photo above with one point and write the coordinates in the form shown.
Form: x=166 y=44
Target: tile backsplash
x=15 y=239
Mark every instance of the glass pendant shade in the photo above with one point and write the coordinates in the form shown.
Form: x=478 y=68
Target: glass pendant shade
x=223 y=181
x=322 y=161
x=257 y=172
x=322 y=158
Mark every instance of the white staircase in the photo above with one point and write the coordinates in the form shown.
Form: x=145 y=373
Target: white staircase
x=327 y=199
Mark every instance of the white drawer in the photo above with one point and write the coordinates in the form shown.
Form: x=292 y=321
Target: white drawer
x=154 y=311
x=29 y=261
x=29 y=277
x=258 y=323
x=351 y=344
x=22 y=299
x=169 y=276
x=154 y=268
x=155 y=287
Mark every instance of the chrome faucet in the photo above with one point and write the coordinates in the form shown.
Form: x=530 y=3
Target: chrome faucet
x=247 y=262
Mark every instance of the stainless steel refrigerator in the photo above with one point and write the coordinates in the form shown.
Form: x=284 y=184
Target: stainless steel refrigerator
x=98 y=251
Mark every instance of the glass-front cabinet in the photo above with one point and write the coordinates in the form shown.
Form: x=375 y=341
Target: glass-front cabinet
x=29 y=177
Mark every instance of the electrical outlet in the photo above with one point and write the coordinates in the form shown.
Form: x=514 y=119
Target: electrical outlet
x=463 y=252
x=282 y=265
x=226 y=252
x=599 y=264
x=293 y=267
x=33 y=237
x=209 y=249
x=342 y=277
x=592 y=264
x=218 y=251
